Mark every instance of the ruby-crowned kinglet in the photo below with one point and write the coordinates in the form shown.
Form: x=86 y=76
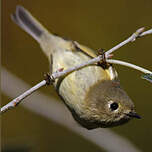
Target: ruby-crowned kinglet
x=93 y=93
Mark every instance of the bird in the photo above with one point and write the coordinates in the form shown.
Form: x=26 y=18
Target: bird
x=93 y=94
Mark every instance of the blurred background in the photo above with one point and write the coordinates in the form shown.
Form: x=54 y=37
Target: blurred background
x=97 y=24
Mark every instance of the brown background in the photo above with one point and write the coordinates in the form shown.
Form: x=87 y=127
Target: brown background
x=98 y=24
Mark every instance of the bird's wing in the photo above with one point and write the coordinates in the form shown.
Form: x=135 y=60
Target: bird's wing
x=86 y=50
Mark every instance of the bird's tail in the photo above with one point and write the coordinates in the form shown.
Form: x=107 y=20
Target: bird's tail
x=28 y=23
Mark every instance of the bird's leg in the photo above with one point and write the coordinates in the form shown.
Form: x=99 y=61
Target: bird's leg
x=103 y=62
x=49 y=80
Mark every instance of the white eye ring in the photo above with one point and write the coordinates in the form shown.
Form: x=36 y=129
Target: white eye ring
x=113 y=106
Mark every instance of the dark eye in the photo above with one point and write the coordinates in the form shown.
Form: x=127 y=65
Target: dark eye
x=114 y=106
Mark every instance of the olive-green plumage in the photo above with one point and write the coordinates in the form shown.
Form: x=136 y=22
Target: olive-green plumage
x=93 y=93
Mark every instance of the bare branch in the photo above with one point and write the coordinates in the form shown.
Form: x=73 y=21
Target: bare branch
x=139 y=33
x=58 y=74
x=129 y=65
x=17 y=100
x=146 y=33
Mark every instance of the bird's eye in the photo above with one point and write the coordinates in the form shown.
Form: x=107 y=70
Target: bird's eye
x=114 y=106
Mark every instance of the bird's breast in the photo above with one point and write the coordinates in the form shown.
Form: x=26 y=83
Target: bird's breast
x=74 y=87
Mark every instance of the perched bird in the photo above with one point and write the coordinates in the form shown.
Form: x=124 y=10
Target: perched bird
x=93 y=94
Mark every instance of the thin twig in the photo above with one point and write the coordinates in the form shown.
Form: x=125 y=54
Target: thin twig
x=146 y=33
x=140 y=32
x=112 y=61
x=17 y=100
x=132 y=38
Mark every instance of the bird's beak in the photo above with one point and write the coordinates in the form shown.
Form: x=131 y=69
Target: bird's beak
x=133 y=115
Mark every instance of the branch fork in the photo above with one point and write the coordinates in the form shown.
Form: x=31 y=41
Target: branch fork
x=137 y=34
